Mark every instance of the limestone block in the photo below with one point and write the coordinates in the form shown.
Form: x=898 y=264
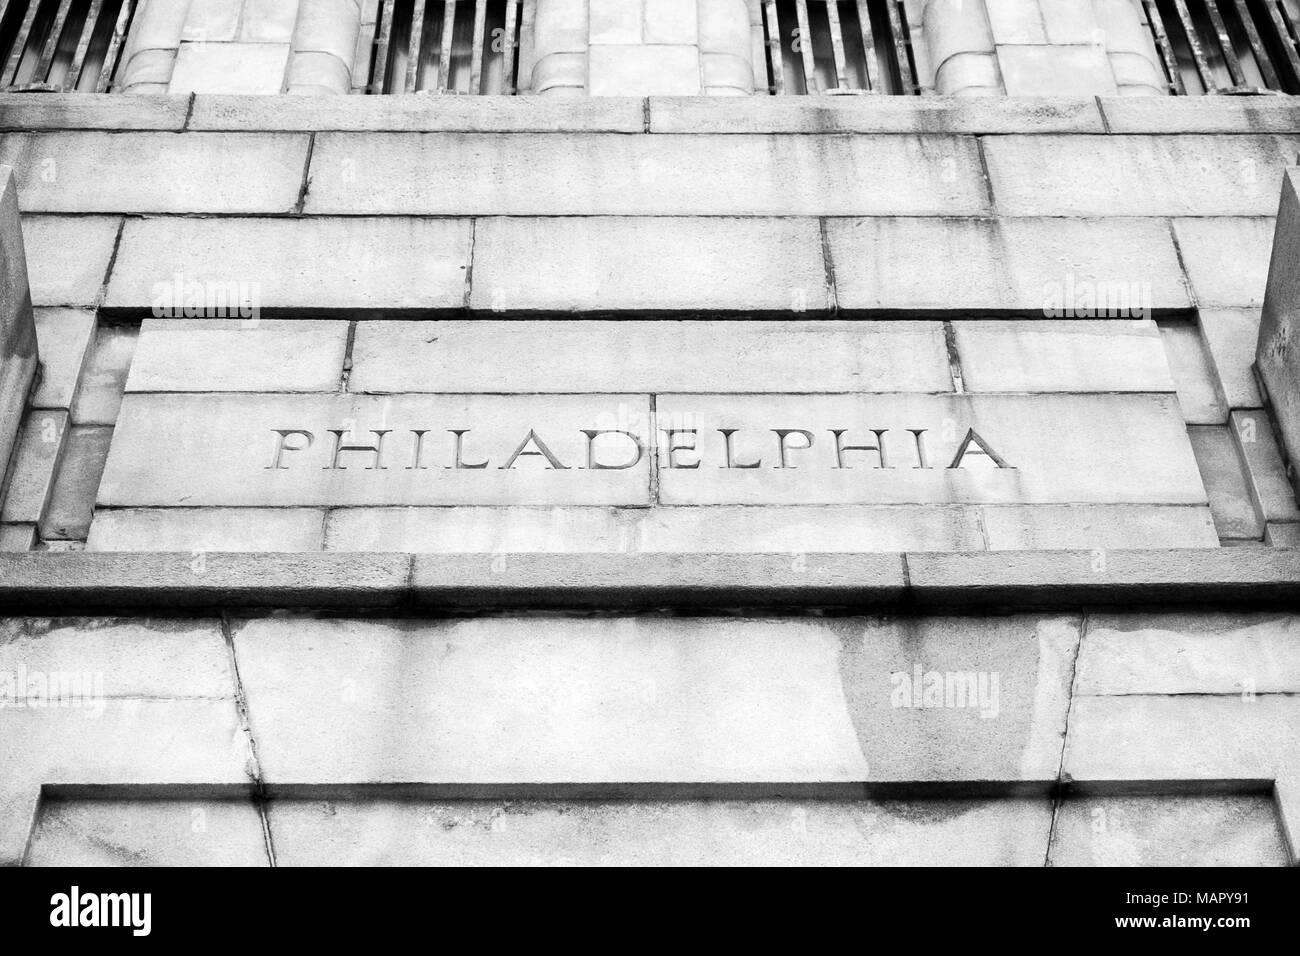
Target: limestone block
x=655 y=700
x=1101 y=355
x=793 y=530
x=1190 y=175
x=17 y=537
x=206 y=529
x=139 y=831
x=1240 y=653
x=1203 y=244
x=149 y=73
x=91 y=111
x=1189 y=362
x=1016 y=21
x=1068 y=22
x=31 y=476
x=18 y=347
x=1230 y=337
x=318 y=74
x=151 y=43
x=618 y=21
x=1224 y=474
x=212 y=21
x=1121 y=26
x=324 y=45
x=1092 y=527
x=72 y=499
x=638 y=70
x=1049 y=267
x=525 y=174
x=649 y=263
x=645 y=356
x=104 y=376
x=374 y=263
x=68 y=256
x=1202 y=114
x=274 y=21
x=961 y=47
x=884 y=114
x=560 y=38
x=63 y=337
x=230 y=68
x=645 y=832
x=1266 y=477
x=95 y=171
x=1182 y=830
x=1277 y=358
x=230 y=355
x=1046 y=70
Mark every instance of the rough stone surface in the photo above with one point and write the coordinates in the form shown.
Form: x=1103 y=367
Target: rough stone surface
x=884 y=114
x=1199 y=396
x=72 y=499
x=18 y=348
x=1080 y=356
x=22 y=111
x=1067 y=268
x=233 y=355
x=1230 y=337
x=1056 y=527
x=1168 y=831
x=1226 y=483
x=104 y=375
x=68 y=257
x=131 y=831
x=1200 y=114
x=572 y=355
x=373 y=263
x=31 y=475
x=1271 y=492
x=663 y=833
x=1276 y=358
x=94 y=171
x=63 y=337
x=704 y=700
x=1189 y=653
x=597 y=174
x=634 y=264
x=1216 y=279
x=1138 y=175
x=789 y=530
x=207 y=529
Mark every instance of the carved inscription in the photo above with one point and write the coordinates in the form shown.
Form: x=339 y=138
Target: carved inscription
x=606 y=449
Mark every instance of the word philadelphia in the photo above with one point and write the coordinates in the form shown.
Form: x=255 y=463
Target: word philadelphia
x=611 y=449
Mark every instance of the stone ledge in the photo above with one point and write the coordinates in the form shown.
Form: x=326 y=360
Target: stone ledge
x=66 y=583
x=757 y=114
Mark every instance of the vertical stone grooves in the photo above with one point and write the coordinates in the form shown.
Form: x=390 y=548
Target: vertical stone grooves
x=954 y=358
x=306 y=176
x=1101 y=110
x=988 y=179
x=469 y=263
x=653 y=441
x=1059 y=789
x=1182 y=266
x=112 y=261
x=346 y=374
x=254 y=765
x=828 y=264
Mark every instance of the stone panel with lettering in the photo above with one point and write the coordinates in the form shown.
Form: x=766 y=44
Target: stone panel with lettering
x=728 y=449
x=257 y=449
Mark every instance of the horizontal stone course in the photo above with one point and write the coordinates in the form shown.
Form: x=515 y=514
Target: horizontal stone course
x=68 y=257
x=627 y=355
x=290 y=264
x=1199 y=114
x=23 y=111
x=64 y=582
x=619 y=264
x=156 y=172
x=1226 y=258
x=238 y=355
x=1138 y=175
x=753 y=700
x=1063 y=268
x=599 y=174
x=208 y=529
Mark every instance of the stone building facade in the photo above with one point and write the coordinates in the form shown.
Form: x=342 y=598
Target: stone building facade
x=696 y=431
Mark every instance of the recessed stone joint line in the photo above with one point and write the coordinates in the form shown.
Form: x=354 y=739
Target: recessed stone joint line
x=1065 y=736
x=828 y=266
x=988 y=178
x=469 y=263
x=954 y=358
x=645 y=114
x=102 y=294
x=189 y=113
x=346 y=373
x=306 y=175
x=245 y=725
x=1182 y=268
x=1101 y=110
